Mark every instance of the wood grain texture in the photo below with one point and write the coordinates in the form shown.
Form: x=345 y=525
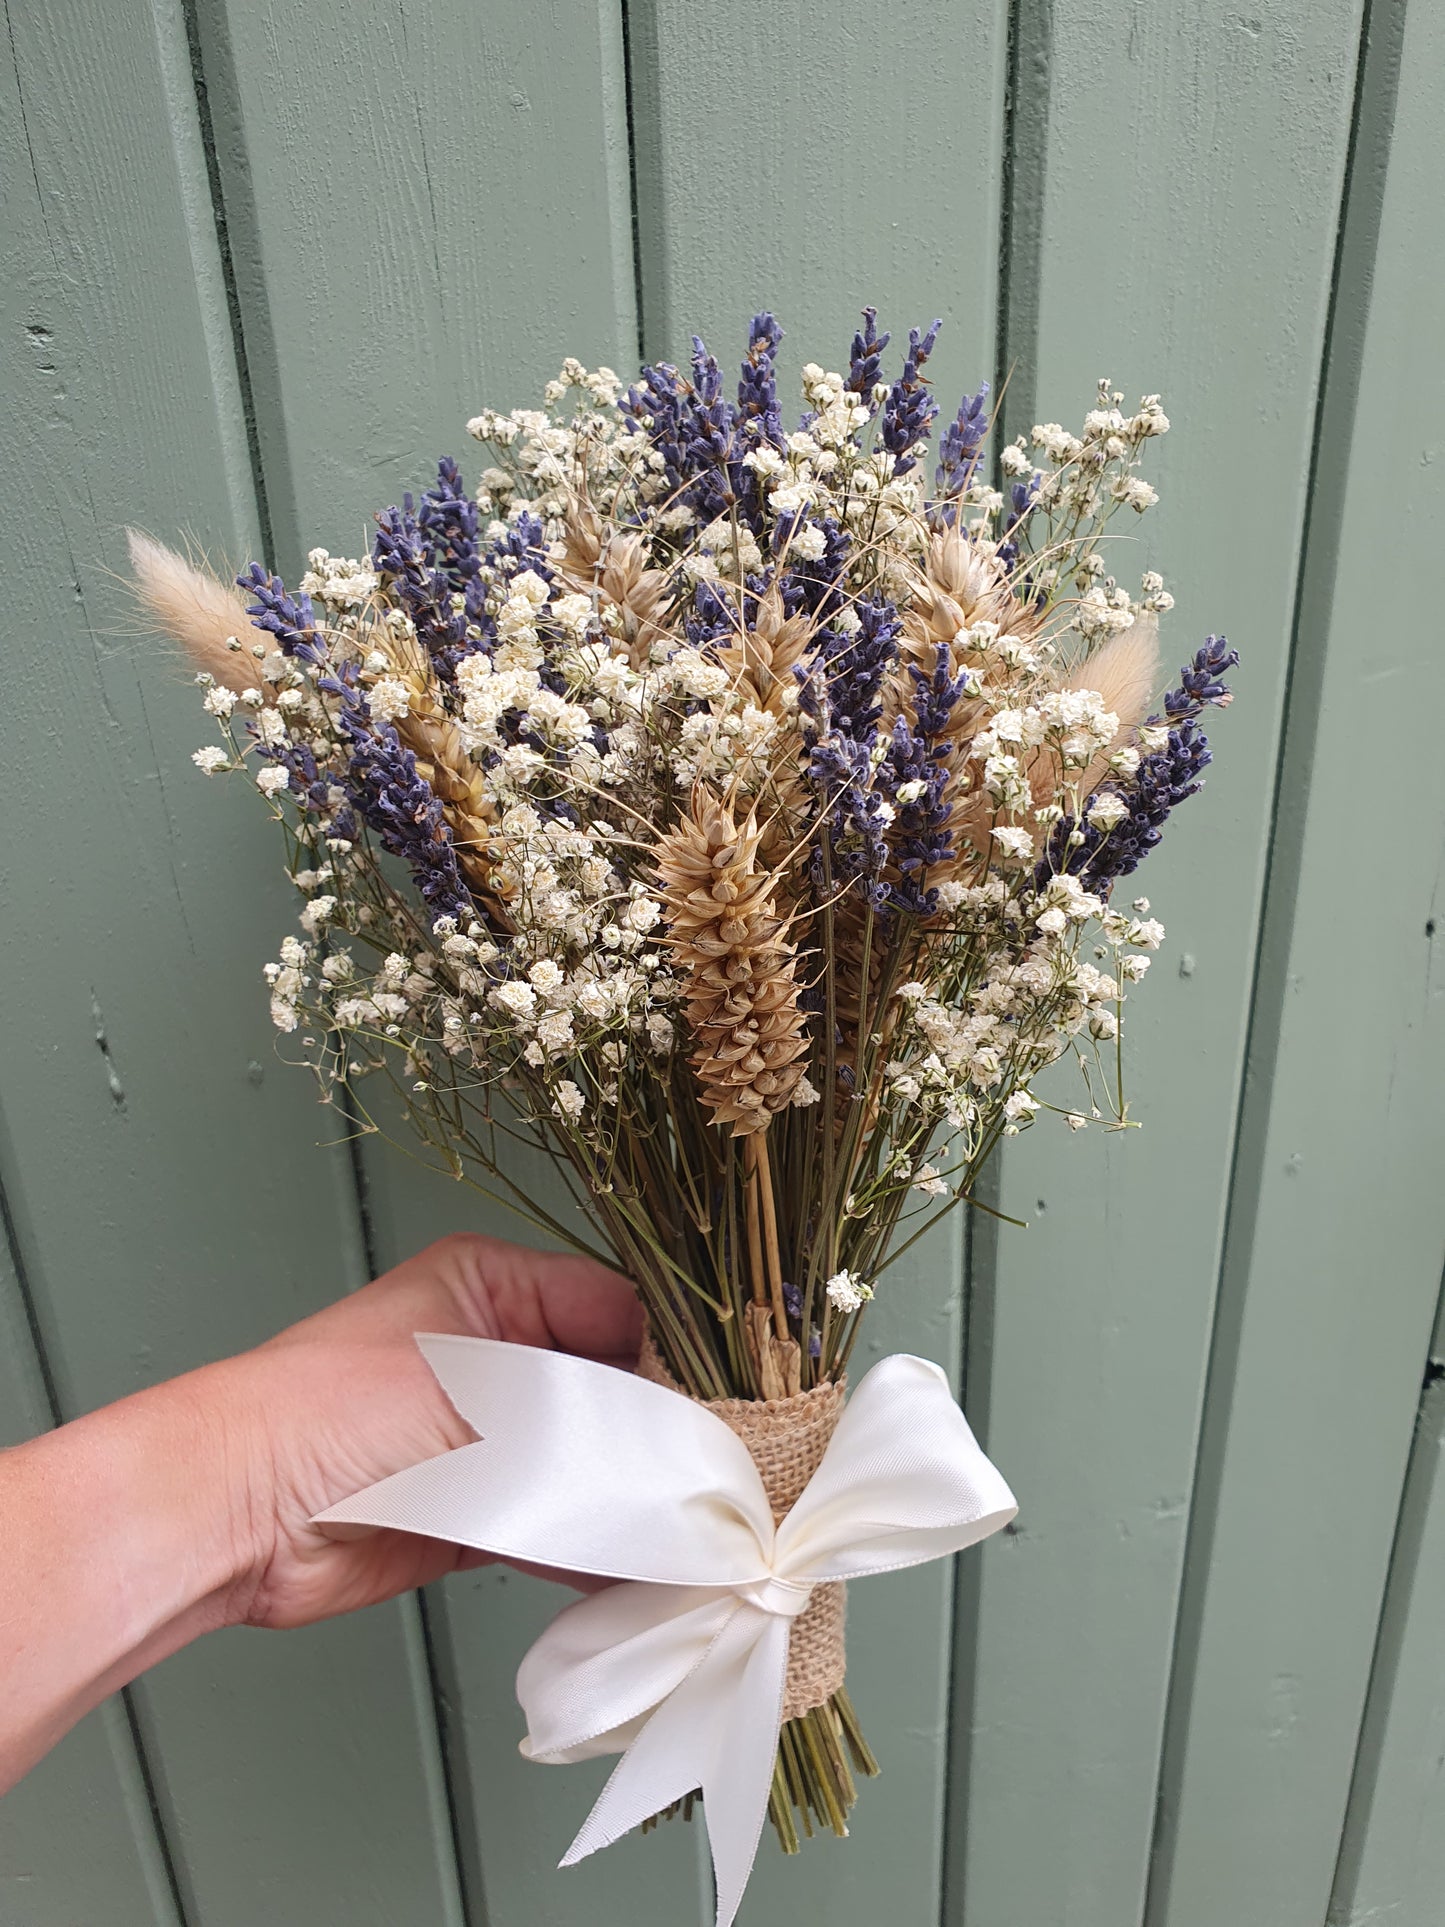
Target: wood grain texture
x=1184 y=242
x=428 y=210
x=456 y=223
x=1337 y=1224
x=1391 y=1869
x=811 y=161
x=167 y=1203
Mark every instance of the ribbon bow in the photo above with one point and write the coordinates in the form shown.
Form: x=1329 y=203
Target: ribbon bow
x=682 y=1668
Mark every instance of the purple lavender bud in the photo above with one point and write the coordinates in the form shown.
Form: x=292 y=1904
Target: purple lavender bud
x=1163 y=780
x=758 y=416
x=1022 y=497
x=910 y=408
x=961 y=445
x=866 y=366
x=290 y=619
x=1200 y=681
x=381 y=779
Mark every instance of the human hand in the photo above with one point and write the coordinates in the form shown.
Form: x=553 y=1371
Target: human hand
x=188 y=1506
x=345 y=1398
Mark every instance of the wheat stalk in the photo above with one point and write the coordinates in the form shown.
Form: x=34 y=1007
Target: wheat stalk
x=742 y=990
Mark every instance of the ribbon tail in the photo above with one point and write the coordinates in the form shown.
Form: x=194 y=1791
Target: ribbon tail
x=736 y=1790
x=717 y=1731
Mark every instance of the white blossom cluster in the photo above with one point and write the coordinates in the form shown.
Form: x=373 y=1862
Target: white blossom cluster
x=475 y=766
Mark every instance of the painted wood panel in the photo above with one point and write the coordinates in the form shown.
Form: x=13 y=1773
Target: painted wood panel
x=1177 y=178
x=810 y=162
x=1392 y=1854
x=460 y=222
x=428 y=208
x=423 y=209
x=1332 y=1264
x=167 y=1204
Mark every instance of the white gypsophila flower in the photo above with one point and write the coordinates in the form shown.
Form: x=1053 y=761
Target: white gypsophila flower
x=356 y=1013
x=572 y=612
x=554 y=1032
x=211 y=759
x=518 y=1000
x=1014 y=841
x=388 y=699
x=1107 y=810
x=1052 y=922
x=1075 y=1121
x=805 y=1093
x=1019 y=1104
x=317 y=914
x=219 y=701
x=272 y=779
x=568 y=1102
x=1135 y=493
x=927 y=1180
x=845 y=1293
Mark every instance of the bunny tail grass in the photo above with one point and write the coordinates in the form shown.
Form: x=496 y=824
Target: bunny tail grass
x=195 y=609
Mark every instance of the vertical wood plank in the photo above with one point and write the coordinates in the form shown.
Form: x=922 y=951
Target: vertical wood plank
x=809 y=161
x=433 y=233
x=1337 y=1223
x=155 y=1152
x=1176 y=215
x=92 y=1785
x=456 y=222
x=1392 y=1855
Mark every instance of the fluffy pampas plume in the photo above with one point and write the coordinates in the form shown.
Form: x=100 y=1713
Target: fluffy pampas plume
x=195 y=609
x=1125 y=671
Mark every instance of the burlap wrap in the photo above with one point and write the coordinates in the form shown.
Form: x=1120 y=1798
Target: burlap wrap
x=786 y=1438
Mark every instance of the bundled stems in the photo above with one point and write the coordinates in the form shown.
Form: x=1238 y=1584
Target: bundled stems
x=734 y=815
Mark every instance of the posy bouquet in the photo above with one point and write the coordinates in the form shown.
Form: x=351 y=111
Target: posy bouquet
x=737 y=816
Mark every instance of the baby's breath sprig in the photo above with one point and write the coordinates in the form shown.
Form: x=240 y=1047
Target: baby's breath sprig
x=712 y=809
x=709 y=807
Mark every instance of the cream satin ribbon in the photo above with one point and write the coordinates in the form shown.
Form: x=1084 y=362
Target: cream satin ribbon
x=681 y=1668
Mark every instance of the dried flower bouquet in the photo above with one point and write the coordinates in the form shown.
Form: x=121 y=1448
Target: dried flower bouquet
x=725 y=813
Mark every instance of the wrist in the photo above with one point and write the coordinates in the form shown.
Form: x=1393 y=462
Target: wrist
x=179 y=1465
x=136 y=1526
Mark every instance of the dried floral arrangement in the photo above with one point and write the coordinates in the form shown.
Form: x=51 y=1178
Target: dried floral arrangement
x=725 y=812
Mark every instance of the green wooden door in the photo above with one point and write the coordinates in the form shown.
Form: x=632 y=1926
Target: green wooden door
x=262 y=261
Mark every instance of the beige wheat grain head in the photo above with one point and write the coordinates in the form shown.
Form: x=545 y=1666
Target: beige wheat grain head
x=196 y=609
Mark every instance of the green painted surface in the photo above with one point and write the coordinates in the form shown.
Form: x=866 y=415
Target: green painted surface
x=1332 y=1261
x=168 y=1204
x=1192 y=255
x=1201 y=1366
x=1392 y=1856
